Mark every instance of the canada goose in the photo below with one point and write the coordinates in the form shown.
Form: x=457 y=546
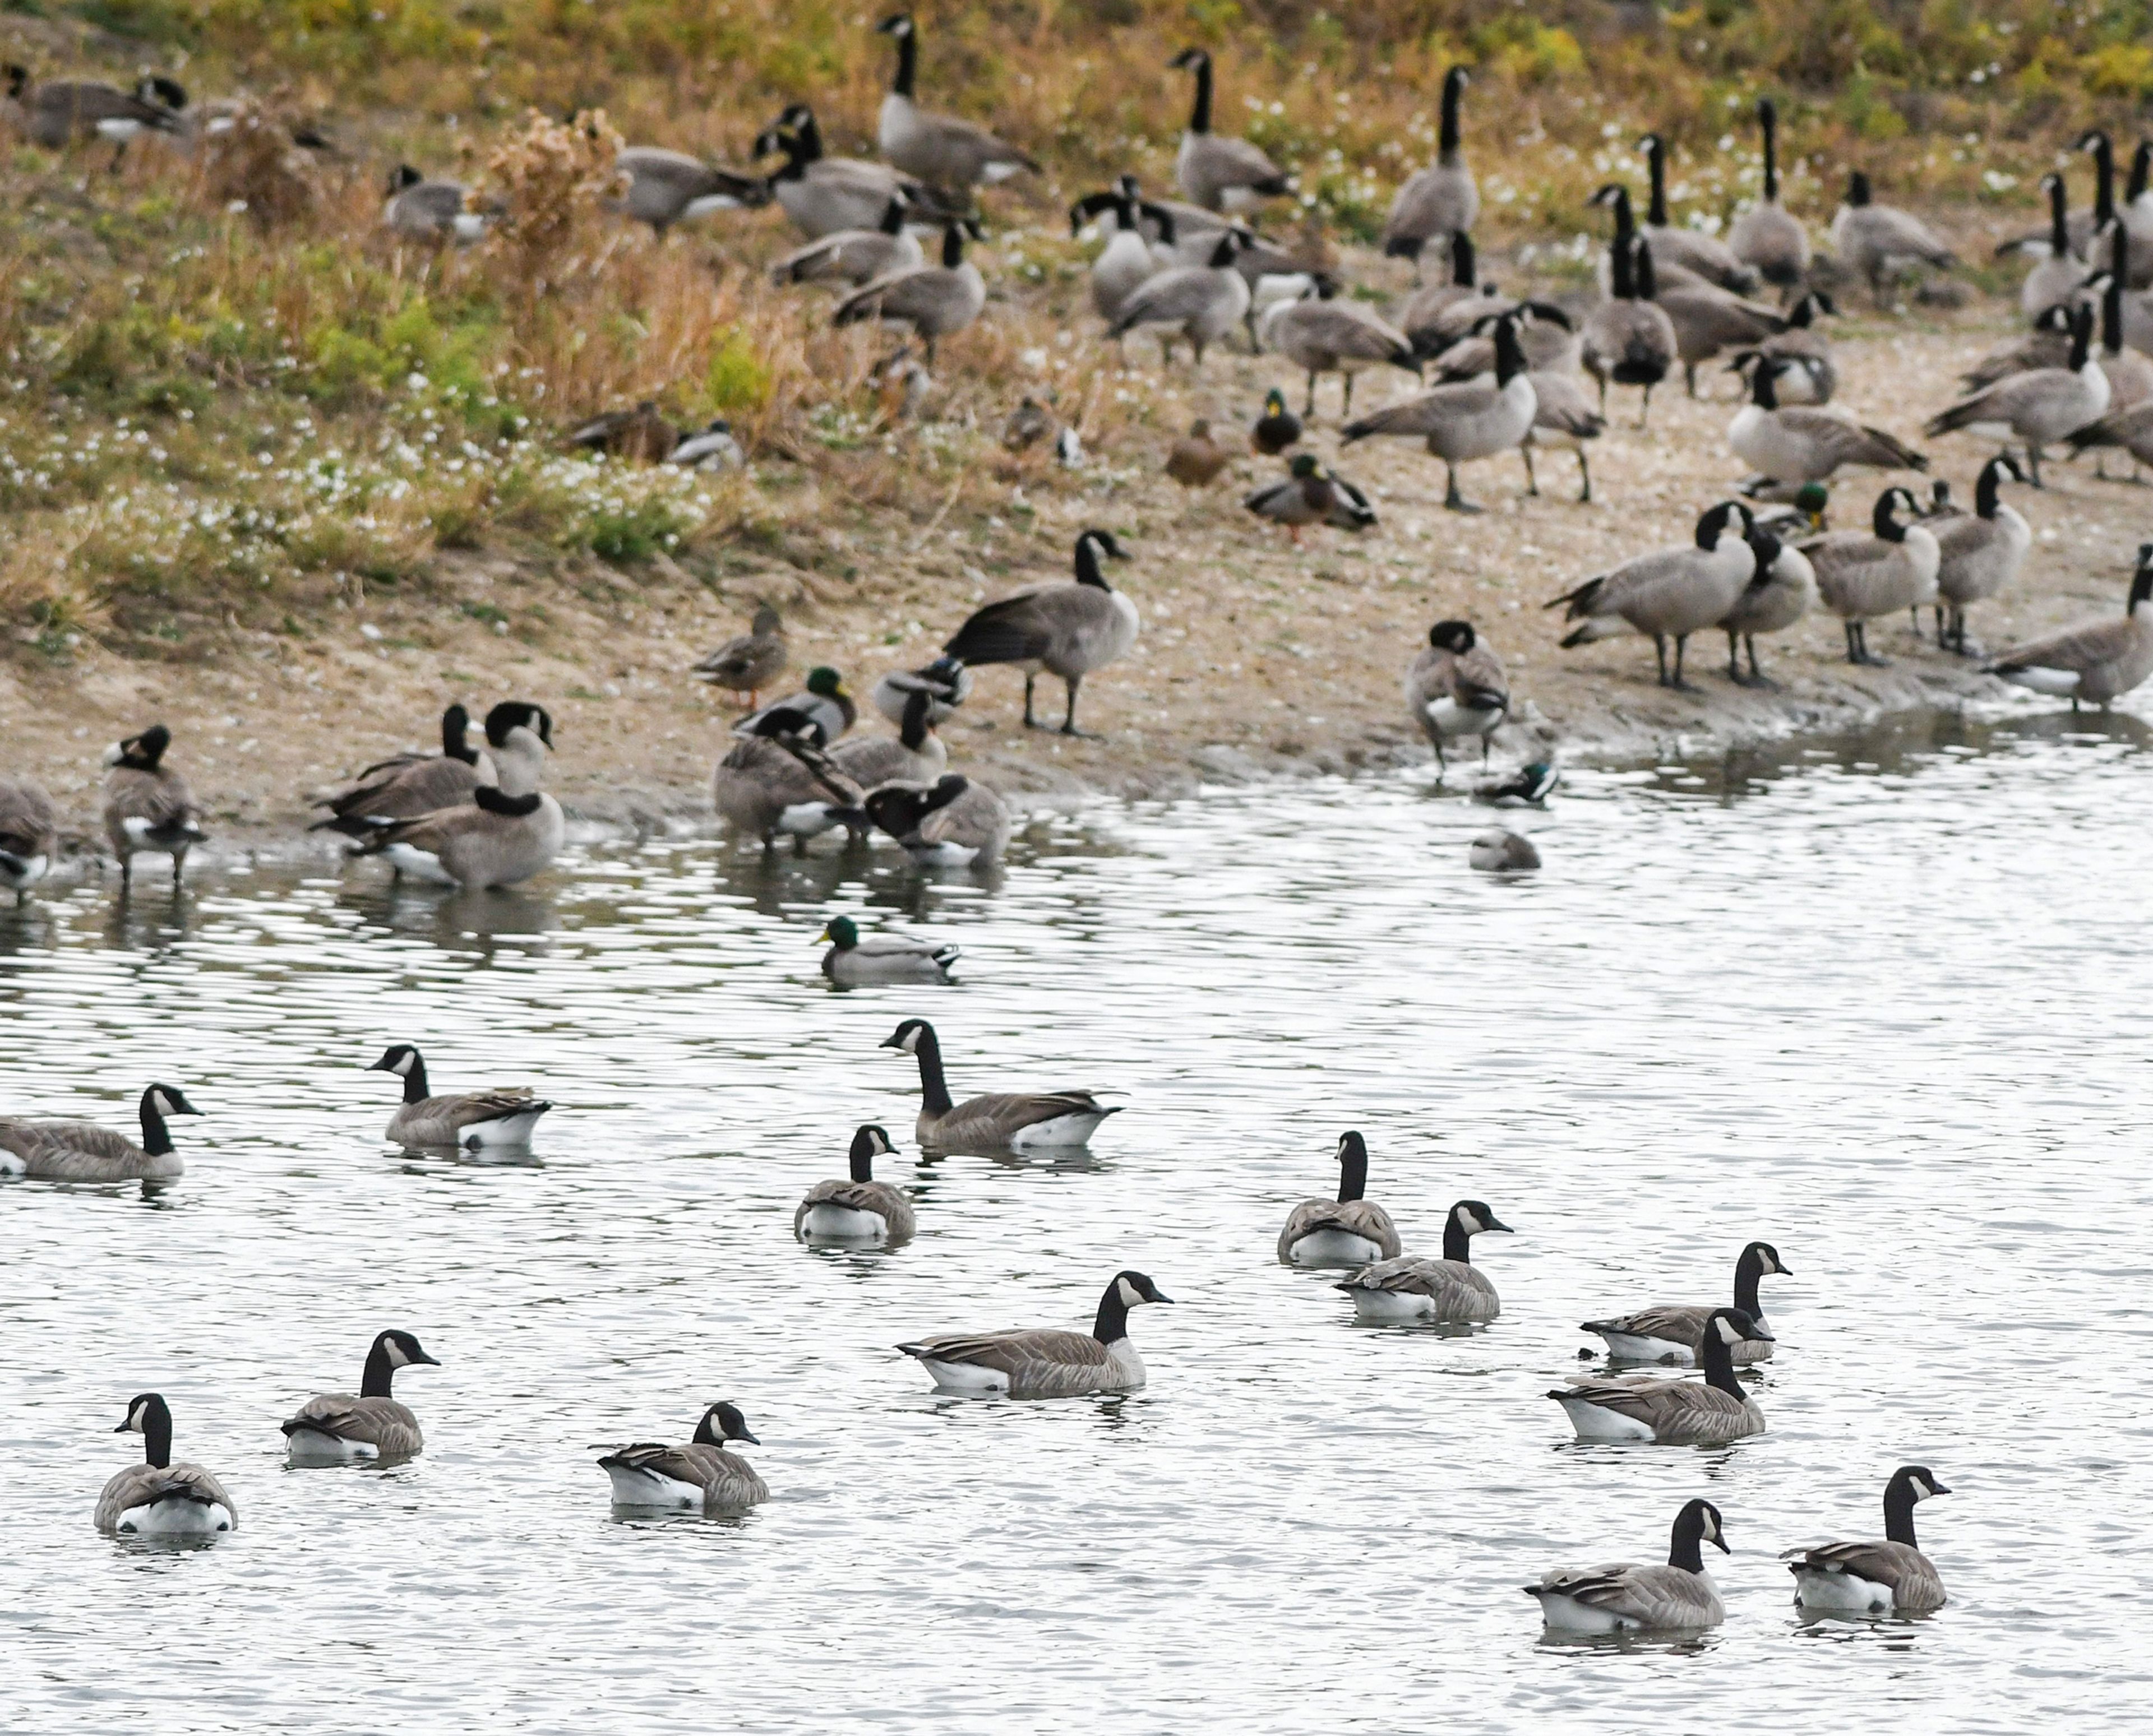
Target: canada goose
x=1500 y=851
x=1310 y=494
x=2130 y=372
x=941 y=149
x=713 y=447
x=61 y=111
x=1795 y=443
x=146 y=805
x=936 y=300
x=2086 y=228
x=1562 y=416
x=1437 y=315
x=1674 y=1333
x=504 y=1115
x=1781 y=591
x=83 y=1151
x=1277 y=429
x=1529 y=786
x=1709 y=321
x=1128 y=258
x=702 y=1474
x=860 y=1208
x=826 y=196
x=1456 y=689
x=825 y=703
x=1678 y=1413
x=497 y=839
x=914 y=754
x=856 y=256
x=2137 y=213
x=1196 y=459
x=1349 y=1230
x=641 y=433
x=29 y=835
x=1691 y=250
x=1203 y=303
x=955 y=822
x=1628 y=339
x=1449 y=1291
x=336 y=1429
x=1670 y=593
x=158 y=1498
x=1814 y=377
x=1627 y=1596
x=774 y=780
x=1861 y=575
x=1001 y=1121
x=664 y=187
x=1322 y=335
x=407 y=784
x=1065 y=629
x=2098 y=660
x=420 y=210
x=751 y=662
x=1217 y=171
x=1892 y=1577
x=1473 y=418
x=2047 y=345
x=1545 y=333
x=2037 y=408
x=2056 y=274
x=1441 y=200
x=1046 y=1363
x=1767 y=237
x=947 y=684
x=1980 y=552
x=855 y=960
x=1877 y=241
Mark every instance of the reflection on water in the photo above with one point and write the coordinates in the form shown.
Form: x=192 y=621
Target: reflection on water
x=1874 y=999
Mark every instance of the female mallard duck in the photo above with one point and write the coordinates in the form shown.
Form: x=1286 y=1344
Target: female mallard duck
x=854 y=960
x=83 y=1151
x=860 y=1208
x=751 y=662
x=1349 y=1231
x=1628 y=1597
x=1197 y=457
x=702 y=1474
x=1046 y=1363
x=502 y=1116
x=1892 y=1577
x=1448 y=1291
x=159 y=1498
x=1675 y=1333
x=1678 y=1412
x=337 y=1429
x=147 y=805
x=409 y=785
x=1000 y=1120
x=29 y=835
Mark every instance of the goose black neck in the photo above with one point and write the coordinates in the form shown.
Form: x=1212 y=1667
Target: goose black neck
x=1465 y=268
x=862 y=1158
x=2141 y=171
x=1625 y=220
x=892 y=217
x=1199 y=116
x=1899 y=1512
x=1457 y=1243
x=2081 y=339
x=912 y=727
x=2112 y=310
x=1509 y=353
x=157 y=1138
x=810 y=134
x=2059 y=228
x=1857 y=190
x=1685 y=1548
x=455 y=721
x=1623 y=277
x=1764 y=385
x=375 y=1379
x=2103 y=182
x=1805 y=312
x=1088 y=570
x=908 y=63
x=1748 y=1270
x=2141 y=586
x=933 y=1088
x=1112 y=1324
x=1767 y=118
x=1719 y=1361
x=1985 y=487
x=415 y=1081
x=1453 y=87
x=953 y=247
x=798 y=154
x=1352 y=1169
x=1883 y=521
x=156 y=1434
x=1656 y=159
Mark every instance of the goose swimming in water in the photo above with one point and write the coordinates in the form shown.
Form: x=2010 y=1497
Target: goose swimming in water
x=859 y=1208
x=1349 y=1230
x=1046 y=1363
x=504 y=1116
x=1678 y=1413
x=1000 y=1120
x=1448 y=1291
x=701 y=1475
x=1626 y=1597
x=337 y=1429
x=1892 y=1577
x=83 y=1151
x=1674 y=1333
x=161 y=1497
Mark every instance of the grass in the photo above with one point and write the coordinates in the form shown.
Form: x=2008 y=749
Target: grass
x=230 y=399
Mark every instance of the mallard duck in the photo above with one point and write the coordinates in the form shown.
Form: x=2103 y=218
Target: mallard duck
x=855 y=960
x=1527 y=787
x=1277 y=429
x=753 y=661
x=1308 y=495
x=1197 y=458
x=824 y=704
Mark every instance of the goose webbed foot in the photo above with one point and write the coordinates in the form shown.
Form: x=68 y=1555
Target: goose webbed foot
x=1454 y=502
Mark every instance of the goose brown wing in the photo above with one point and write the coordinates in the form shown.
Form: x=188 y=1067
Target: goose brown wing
x=1653 y=1597
x=1011 y=630
x=1912 y=1575
x=1849 y=443
x=1028 y=1352
x=1671 y=1323
x=388 y=1424
x=2076 y=647
x=1655 y=1402
x=1355 y=1217
x=68 y=1150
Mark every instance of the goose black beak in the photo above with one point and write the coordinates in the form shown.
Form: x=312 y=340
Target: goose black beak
x=750 y=1440
x=889 y=1042
x=1505 y=1228
x=1761 y=1333
x=423 y=1361
x=1938 y=1489
x=1160 y=1295
x=1721 y=1542
x=120 y=1430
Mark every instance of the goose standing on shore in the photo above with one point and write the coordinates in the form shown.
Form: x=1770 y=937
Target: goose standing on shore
x=941 y=149
x=83 y=1151
x=1064 y=629
x=1350 y=1230
x=504 y=1115
x=1450 y=1292
x=1708 y=321
x=1436 y=315
x=2099 y=661
x=1129 y=256
x=29 y=835
x=1670 y=593
x=1046 y=1363
x=827 y=196
x=337 y=1429
x=1862 y=575
x=1317 y=332
x=1470 y=420
x=1457 y=688
x=1813 y=377
x=855 y=256
x=2086 y=228
x=2037 y=408
x=1878 y=242
x=1441 y=201
x=859 y=1208
x=160 y=1497
x=411 y=783
x=663 y=187
x=1628 y=339
x=1626 y=1597
x=1892 y=1577
x=1203 y=303
x=1675 y=1333
x=1767 y=237
x=702 y=1475
x=999 y=1120
x=2056 y=274
x=935 y=301
x=1978 y=553
x=1779 y=593
x=1674 y=1413
x=1795 y=444
x=1216 y=170
x=148 y=805
x=1688 y=250
x=955 y=822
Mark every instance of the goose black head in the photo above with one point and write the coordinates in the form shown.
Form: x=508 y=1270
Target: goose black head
x=1473 y=1217
x=1231 y=241
x=1734 y=1326
x=1919 y=1482
x=401 y=176
x=1454 y=637
x=1713 y=523
x=722 y=1422
x=908 y=1035
x=1135 y=1288
x=1102 y=542
x=18 y=79
x=1768 y=1259
x=518 y=714
x=140 y=752
x=1700 y=1520
x=1857 y=190
x=2141 y=581
x=156 y=88
x=1188 y=59
x=399 y=1060
x=403 y=1351
x=144 y=1411
x=872 y=1140
x=168 y=1100
x=1885 y=520
x=898 y=24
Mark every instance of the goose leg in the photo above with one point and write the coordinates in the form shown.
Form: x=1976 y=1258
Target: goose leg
x=1308 y=408
x=1030 y=722
x=1603 y=397
x=1442 y=765
x=1532 y=482
x=1940 y=626
x=1733 y=661
x=1452 y=499
x=2033 y=464
x=1758 y=677
x=1689 y=377
x=1645 y=407
x=1682 y=643
x=1348 y=409
x=1584 y=480
x=1853 y=644
x=1660 y=651
x=1069 y=719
